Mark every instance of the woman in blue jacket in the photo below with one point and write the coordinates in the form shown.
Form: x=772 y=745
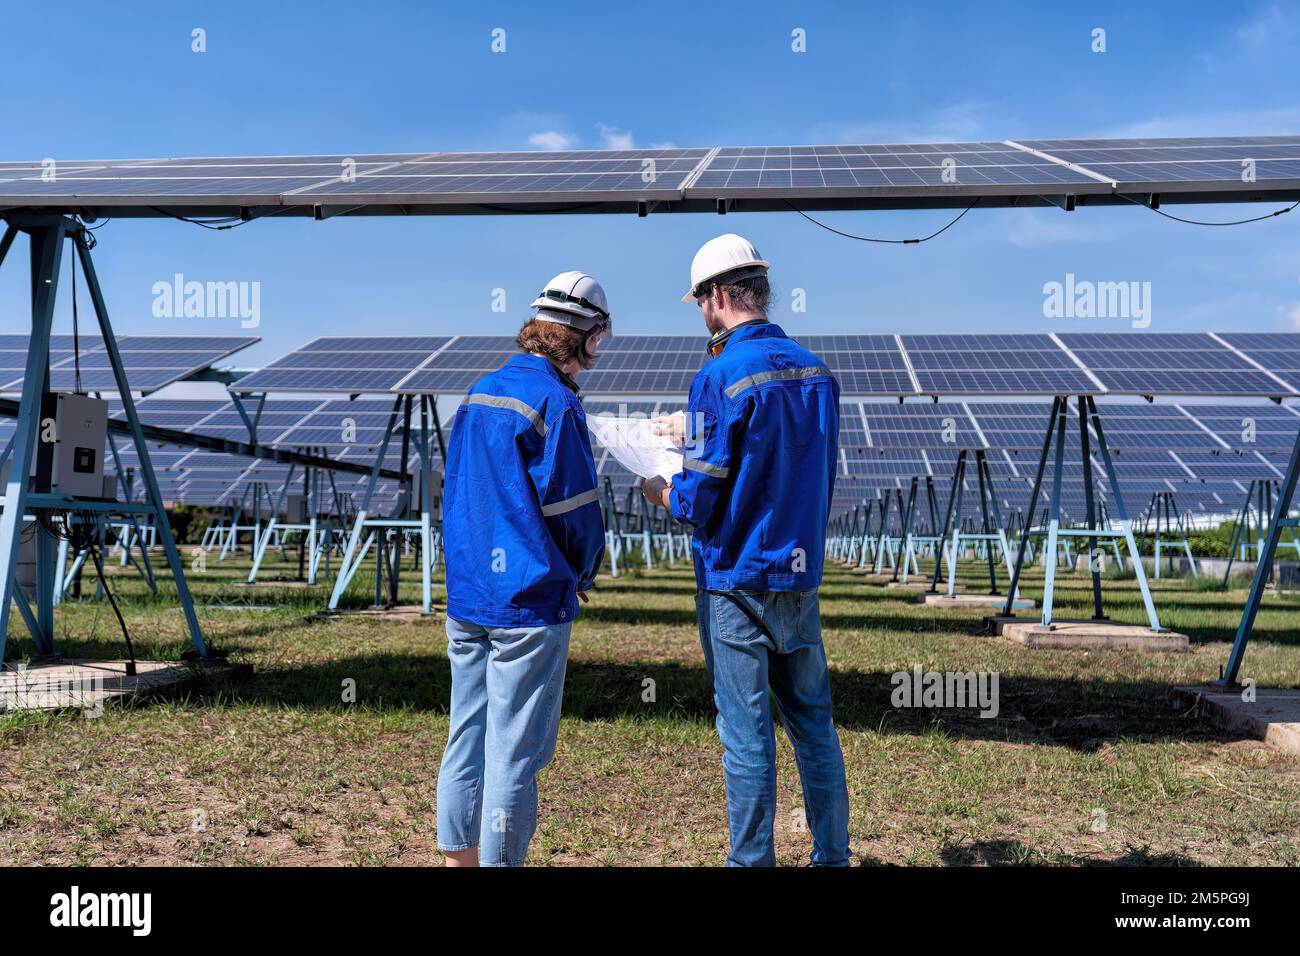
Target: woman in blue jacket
x=524 y=540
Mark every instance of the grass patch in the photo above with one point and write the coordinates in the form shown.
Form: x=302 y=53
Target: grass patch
x=1088 y=760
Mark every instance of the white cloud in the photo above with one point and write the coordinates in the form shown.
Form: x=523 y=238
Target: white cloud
x=1268 y=27
x=958 y=122
x=1282 y=120
x=552 y=139
x=1292 y=315
x=615 y=138
x=1030 y=228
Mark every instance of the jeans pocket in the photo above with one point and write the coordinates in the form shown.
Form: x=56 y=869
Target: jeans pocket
x=807 y=628
x=736 y=624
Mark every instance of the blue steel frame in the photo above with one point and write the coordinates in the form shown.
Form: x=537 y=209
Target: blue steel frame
x=47 y=234
x=1054 y=442
x=1264 y=568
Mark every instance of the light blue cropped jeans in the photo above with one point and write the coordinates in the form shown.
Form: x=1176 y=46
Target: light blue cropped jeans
x=506 y=689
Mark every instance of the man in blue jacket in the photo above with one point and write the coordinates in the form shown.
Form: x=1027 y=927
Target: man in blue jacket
x=524 y=540
x=761 y=435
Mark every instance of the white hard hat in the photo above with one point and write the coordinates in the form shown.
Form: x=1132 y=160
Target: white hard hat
x=724 y=254
x=572 y=297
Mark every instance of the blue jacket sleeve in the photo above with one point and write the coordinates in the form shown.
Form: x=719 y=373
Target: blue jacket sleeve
x=697 y=492
x=565 y=478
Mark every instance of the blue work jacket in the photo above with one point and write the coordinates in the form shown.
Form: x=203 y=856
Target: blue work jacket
x=762 y=443
x=522 y=524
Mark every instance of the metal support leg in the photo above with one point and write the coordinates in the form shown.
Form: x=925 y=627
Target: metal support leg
x=154 y=495
x=1263 y=569
x=1028 y=525
x=1053 y=524
x=1125 y=525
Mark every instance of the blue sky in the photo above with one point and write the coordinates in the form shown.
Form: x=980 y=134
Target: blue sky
x=118 y=80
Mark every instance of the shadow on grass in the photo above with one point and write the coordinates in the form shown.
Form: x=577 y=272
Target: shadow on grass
x=1082 y=715
x=1015 y=853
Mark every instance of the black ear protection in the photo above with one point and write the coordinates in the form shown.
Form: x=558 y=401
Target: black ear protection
x=718 y=341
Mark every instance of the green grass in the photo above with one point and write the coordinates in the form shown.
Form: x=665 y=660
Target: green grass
x=275 y=768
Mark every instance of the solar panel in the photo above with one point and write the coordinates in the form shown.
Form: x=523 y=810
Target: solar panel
x=866 y=366
x=1248 y=427
x=1148 y=363
x=150 y=361
x=1237 y=163
x=1279 y=352
x=882 y=170
x=944 y=427
x=913 y=175
x=416 y=179
x=1030 y=364
x=346 y=364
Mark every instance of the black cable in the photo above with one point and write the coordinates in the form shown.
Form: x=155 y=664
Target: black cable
x=215 y=224
x=224 y=222
x=898 y=242
x=1199 y=222
x=126 y=635
x=76 y=335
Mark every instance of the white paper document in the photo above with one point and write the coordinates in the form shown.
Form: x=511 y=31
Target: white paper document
x=635 y=446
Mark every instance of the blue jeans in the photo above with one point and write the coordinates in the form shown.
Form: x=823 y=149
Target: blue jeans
x=744 y=664
x=506 y=687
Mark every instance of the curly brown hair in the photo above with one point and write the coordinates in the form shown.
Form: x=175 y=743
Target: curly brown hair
x=560 y=343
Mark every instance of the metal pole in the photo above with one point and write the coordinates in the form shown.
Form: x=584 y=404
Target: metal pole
x=1263 y=570
x=1028 y=522
x=1085 y=453
x=141 y=446
x=947 y=521
x=46 y=246
x=1053 y=524
x=907 y=527
x=1125 y=525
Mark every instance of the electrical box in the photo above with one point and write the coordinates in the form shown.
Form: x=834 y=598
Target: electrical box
x=415 y=492
x=72 y=433
x=295 y=509
x=70 y=441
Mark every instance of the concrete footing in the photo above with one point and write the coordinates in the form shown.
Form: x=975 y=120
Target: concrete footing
x=983 y=601
x=85 y=685
x=1089 y=635
x=1273 y=716
x=402 y=612
x=917 y=584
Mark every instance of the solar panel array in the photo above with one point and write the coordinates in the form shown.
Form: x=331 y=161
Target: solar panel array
x=339 y=429
x=1206 y=454
x=150 y=361
x=1034 y=364
x=912 y=175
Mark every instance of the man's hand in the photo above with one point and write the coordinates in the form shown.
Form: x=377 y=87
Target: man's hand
x=656 y=490
x=674 y=426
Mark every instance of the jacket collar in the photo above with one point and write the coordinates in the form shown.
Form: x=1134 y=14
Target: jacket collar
x=753 y=329
x=541 y=363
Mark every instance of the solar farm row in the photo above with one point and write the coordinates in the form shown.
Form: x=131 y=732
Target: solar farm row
x=845 y=175
x=151 y=361
x=1244 y=364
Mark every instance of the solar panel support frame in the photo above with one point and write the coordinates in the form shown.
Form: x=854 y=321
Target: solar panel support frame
x=47 y=234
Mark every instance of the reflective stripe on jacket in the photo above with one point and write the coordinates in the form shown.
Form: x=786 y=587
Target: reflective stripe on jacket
x=522 y=521
x=762 y=443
